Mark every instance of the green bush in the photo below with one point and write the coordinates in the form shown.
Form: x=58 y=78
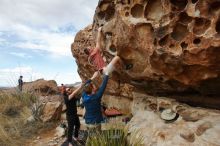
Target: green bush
x=114 y=137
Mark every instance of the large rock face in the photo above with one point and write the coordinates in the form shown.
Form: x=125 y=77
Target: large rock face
x=172 y=45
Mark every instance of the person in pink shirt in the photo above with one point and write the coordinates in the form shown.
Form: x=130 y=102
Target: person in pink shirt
x=95 y=57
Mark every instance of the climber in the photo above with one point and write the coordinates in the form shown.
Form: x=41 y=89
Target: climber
x=95 y=55
x=92 y=97
x=71 y=113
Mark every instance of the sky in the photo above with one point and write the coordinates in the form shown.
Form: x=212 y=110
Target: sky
x=35 y=39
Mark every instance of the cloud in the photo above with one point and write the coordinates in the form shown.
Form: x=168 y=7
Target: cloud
x=49 y=41
x=45 y=25
x=9 y=76
x=49 y=13
x=48 y=25
x=16 y=70
x=22 y=55
x=2 y=41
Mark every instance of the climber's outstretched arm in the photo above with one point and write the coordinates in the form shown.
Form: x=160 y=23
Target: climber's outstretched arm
x=98 y=40
x=75 y=92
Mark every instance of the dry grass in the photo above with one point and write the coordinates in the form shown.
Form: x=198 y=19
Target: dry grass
x=15 y=108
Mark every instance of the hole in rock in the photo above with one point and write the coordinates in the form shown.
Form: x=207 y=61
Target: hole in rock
x=173 y=9
x=101 y=15
x=161 y=79
x=129 y=2
x=139 y=81
x=110 y=12
x=184 y=18
x=155 y=42
x=184 y=45
x=194 y=1
x=172 y=46
x=144 y=31
x=164 y=41
x=108 y=34
x=137 y=11
x=217 y=27
x=200 y=21
x=215 y=6
x=127 y=8
x=153 y=106
x=128 y=65
x=196 y=41
x=162 y=31
x=180 y=4
x=172 y=15
x=154 y=10
x=201 y=25
x=126 y=14
x=179 y=32
x=113 y=48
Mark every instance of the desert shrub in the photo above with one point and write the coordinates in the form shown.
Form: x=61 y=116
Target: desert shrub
x=15 y=108
x=114 y=136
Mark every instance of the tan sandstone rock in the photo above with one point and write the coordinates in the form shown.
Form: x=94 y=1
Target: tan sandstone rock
x=41 y=87
x=173 y=46
x=51 y=111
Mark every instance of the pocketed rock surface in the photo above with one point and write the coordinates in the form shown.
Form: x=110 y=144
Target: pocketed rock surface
x=172 y=49
x=172 y=46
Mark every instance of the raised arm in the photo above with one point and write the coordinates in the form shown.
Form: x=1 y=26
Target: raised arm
x=103 y=86
x=75 y=92
x=98 y=39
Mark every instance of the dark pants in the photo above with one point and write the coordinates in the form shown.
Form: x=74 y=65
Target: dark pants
x=20 y=87
x=73 y=124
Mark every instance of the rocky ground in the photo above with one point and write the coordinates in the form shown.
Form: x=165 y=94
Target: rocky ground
x=56 y=136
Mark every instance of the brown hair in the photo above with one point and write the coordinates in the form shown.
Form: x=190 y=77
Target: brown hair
x=88 y=88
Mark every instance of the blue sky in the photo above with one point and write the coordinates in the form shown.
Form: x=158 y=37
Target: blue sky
x=35 y=38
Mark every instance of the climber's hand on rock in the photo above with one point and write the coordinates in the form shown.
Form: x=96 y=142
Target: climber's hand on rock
x=99 y=29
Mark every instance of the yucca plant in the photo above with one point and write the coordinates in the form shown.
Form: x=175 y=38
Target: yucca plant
x=115 y=136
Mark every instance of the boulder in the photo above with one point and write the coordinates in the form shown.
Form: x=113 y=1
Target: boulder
x=41 y=87
x=59 y=132
x=52 y=111
x=171 y=46
x=172 y=49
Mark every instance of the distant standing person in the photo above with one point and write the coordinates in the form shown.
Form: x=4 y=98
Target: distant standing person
x=71 y=113
x=62 y=88
x=20 y=83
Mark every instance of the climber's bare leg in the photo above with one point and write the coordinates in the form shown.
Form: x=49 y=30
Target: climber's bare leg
x=111 y=66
